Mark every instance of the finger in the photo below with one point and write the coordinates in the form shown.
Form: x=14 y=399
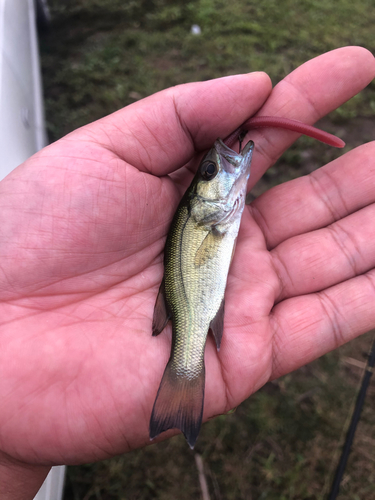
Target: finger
x=160 y=133
x=314 y=201
x=317 y=260
x=308 y=327
x=308 y=93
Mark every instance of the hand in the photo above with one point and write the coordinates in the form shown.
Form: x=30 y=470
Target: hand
x=83 y=224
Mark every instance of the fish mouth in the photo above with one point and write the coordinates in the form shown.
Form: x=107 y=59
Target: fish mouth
x=235 y=162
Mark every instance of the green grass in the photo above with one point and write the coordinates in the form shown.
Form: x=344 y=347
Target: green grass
x=102 y=55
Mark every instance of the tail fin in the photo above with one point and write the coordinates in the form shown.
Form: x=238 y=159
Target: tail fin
x=178 y=404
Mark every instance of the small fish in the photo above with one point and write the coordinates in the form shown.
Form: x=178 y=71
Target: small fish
x=198 y=253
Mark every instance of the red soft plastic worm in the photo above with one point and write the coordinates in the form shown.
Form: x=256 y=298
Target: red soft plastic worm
x=286 y=124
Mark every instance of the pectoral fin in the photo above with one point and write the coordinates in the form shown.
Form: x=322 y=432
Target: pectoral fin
x=217 y=325
x=161 y=315
x=208 y=248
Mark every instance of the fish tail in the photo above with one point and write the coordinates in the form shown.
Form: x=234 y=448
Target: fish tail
x=178 y=404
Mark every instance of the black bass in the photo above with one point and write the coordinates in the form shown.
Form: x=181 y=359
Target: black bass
x=198 y=253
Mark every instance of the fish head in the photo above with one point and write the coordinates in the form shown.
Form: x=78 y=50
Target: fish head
x=217 y=193
x=223 y=173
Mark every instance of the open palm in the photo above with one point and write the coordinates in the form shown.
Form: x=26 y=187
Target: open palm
x=83 y=224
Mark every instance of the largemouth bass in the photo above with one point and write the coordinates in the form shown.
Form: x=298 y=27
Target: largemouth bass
x=198 y=253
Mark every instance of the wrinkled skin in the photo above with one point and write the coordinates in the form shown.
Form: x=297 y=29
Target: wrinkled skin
x=83 y=224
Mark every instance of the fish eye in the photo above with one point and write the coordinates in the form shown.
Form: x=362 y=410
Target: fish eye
x=208 y=170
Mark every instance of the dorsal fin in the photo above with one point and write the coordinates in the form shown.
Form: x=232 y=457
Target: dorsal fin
x=161 y=315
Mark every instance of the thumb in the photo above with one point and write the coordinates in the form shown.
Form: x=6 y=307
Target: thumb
x=160 y=133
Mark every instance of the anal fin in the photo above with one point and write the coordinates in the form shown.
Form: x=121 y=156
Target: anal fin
x=217 y=325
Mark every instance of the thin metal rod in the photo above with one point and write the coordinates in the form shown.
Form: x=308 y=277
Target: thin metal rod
x=353 y=424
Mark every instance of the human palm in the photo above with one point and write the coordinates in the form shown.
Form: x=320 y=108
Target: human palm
x=83 y=225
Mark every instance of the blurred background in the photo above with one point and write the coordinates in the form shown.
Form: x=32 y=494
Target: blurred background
x=100 y=55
